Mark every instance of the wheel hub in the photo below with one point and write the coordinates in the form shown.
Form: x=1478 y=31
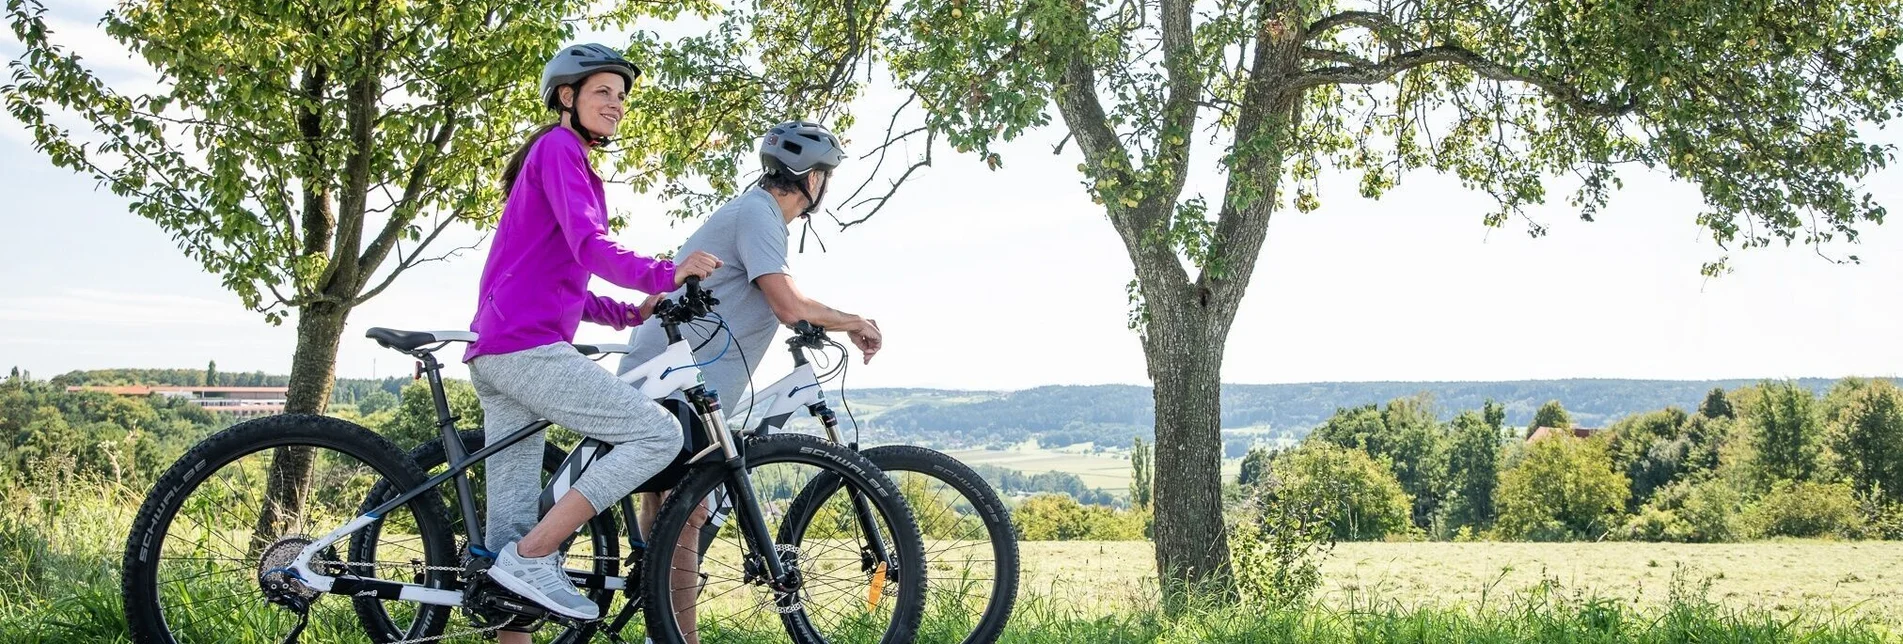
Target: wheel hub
x=280 y=584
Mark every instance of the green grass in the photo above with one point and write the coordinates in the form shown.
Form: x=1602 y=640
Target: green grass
x=1535 y=616
x=1784 y=578
x=58 y=583
x=1108 y=470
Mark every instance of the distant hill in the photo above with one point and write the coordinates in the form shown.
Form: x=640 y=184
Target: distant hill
x=1113 y=414
x=345 y=391
x=1110 y=415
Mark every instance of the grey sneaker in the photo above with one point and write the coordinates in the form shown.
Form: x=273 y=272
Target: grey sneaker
x=541 y=580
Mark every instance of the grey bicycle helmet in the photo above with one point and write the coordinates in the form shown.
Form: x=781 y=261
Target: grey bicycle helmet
x=795 y=148
x=574 y=64
x=798 y=147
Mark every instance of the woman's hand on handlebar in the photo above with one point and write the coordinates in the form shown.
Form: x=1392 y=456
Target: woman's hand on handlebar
x=698 y=264
x=647 y=306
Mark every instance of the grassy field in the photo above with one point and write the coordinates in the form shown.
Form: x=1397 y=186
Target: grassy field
x=1782 y=578
x=1099 y=470
x=58 y=584
x=1109 y=471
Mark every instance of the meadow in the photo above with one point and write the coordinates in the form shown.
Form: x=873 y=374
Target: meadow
x=58 y=583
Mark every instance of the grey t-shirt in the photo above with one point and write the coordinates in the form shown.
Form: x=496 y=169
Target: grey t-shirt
x=749 y=235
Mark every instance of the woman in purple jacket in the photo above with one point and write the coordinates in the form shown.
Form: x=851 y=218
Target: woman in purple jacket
x=552 y=237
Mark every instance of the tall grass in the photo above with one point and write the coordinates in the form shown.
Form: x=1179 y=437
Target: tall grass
x=59 y=562
x=1543 y=614
x=59 y=555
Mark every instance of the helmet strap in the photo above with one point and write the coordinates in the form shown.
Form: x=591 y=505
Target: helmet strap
x=808 y=228
x=574 y=117
x=812 y=203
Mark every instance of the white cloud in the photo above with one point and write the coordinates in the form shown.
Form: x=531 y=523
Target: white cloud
x=126 y=72
x=116 y=65
x=84 y=305
x=13 y=133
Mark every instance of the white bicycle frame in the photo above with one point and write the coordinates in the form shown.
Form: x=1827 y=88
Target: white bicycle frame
x=775 y=404
x=771 y=406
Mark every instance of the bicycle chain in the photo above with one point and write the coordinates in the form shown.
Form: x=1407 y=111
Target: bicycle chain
x=349 y=564
x=432 y=638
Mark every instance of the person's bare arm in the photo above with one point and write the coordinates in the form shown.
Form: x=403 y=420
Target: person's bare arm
x=792 y=306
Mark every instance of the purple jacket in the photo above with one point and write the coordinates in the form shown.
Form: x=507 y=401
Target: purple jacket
x=552 y=236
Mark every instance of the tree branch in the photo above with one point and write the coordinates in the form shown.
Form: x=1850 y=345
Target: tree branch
x=890 y=125
x=1386 y=69
x=270 y=194
x=1077 y=100
x=294 y=302
x=893 y=140
x=618 y=177
x=1179 y=110
x=220 y=128
x=416 y=256
x=1265 y=126
x=1379 y=24
x=855 y=48
x=360 y=116
x=883 y=148
x=412 y=199
x=930 y=138
x=1330 y=55
x=319 y=220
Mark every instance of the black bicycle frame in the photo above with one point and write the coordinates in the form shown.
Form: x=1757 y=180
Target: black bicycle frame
x=706 y=403
x=457 y=455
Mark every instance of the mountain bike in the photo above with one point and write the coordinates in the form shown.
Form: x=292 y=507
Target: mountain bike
x=971 y=545
x=214 y=557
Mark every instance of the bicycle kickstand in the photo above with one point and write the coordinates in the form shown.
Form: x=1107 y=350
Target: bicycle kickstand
x=303 y=610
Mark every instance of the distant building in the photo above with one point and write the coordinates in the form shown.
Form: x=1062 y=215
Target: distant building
x=1578 y=432
x=239 y=402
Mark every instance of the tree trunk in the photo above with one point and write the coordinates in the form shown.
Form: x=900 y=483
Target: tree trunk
x=313 y=369
x=1185 y=362
x=1189 y=319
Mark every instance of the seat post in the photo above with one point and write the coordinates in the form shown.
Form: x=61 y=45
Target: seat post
x=454 y=451
x=427 y=364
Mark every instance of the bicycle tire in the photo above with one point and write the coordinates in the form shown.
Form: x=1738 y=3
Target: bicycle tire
x=836 y=459
x=1000 y=531
x=139 y=567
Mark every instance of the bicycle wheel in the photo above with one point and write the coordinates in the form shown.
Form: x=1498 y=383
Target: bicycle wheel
x=971 y=546
x=596 y=548
x=206 y=534
x=844 y=594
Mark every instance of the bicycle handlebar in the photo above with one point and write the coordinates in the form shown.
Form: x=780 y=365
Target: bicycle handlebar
x=807 y=335
x=693 y=304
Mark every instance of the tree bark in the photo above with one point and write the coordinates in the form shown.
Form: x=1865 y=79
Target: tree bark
x=320 y=326
x=1185 y=363
x=1189 y=319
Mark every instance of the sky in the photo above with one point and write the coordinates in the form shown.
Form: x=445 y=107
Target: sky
x=1002 y=280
